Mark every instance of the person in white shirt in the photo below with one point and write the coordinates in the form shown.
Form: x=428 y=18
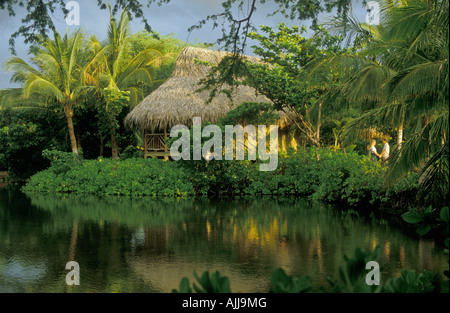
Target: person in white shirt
x=385 y=153
x=373 y=150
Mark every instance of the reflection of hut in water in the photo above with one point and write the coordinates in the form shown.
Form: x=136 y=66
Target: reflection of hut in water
x=176 y=102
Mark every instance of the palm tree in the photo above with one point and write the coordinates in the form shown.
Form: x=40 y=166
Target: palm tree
x=114 y=70
x=419 y=33
x=404 y=69
x=55 y=75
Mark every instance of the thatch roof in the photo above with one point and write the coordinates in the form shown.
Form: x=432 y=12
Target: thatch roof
x=176 y=100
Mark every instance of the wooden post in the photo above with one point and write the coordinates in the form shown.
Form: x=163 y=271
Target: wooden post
x=166 y=157
x=145 y=143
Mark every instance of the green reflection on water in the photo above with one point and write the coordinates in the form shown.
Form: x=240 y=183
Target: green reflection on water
x=148 y=245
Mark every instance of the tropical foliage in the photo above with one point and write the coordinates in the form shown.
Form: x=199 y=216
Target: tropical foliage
x=131 y=177
x=24 y=133
x=55 y=74
x=335 y=177
x=119 y=76
x=346 y=84
x=284 y=74
x=94 y=83
x=395 y=74
x=404 y=76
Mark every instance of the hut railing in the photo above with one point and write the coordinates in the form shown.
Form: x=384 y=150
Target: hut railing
x=155 y=142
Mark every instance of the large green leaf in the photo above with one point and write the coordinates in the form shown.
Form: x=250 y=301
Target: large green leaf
x=444 y=214
x=412 y=217
x=422 y=230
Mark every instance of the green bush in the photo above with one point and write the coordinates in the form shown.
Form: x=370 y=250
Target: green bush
x=322 y=174
x=24 y=134
x=130 y=177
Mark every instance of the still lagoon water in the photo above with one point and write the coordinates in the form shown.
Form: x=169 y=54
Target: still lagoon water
x=149 y=245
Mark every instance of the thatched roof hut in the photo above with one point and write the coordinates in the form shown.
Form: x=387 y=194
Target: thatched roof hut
x=176 y=100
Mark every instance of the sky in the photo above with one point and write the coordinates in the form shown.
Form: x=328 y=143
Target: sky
x=173 y=18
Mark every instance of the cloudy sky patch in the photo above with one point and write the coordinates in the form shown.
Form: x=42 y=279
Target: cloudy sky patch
x=173 y=18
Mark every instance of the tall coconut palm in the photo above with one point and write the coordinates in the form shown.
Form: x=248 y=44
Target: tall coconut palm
x=405 y=70
x=113 y=69
x=54 y=74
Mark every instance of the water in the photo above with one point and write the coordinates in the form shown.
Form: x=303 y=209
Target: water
x=149 y=245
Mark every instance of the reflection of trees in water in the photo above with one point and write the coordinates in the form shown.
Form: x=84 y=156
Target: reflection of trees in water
x=33 y=235
x=150 y=244
x=132 y=212
x=302 y=240
x=73 y=241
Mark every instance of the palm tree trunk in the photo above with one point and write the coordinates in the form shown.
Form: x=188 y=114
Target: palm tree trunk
x=319 y=116
x=73 y=141
x=400 y=135
x=73 y=240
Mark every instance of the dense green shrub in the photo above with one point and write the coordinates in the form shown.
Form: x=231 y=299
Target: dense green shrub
x=322 y=174
x=130 y=177
x=24 y=134
x=350 y=178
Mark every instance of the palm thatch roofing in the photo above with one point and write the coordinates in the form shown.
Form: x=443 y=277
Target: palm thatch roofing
x=177 y=102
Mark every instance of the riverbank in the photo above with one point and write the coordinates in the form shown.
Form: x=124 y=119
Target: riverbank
x=329 y=176
x=347 y=180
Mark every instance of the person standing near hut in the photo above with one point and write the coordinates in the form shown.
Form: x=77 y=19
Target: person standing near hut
x=386 y=150
x=373 y=150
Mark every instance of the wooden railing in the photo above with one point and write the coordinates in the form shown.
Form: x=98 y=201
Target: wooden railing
x=155 y=142
x=155 y=146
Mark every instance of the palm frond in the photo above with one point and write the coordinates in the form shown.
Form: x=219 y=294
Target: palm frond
x=38 y=85
x=420 y=78
x=75 y=47
x=14 y=98
x=366 y=83
x=18 y=65
x=434 y=179
x=417 y=147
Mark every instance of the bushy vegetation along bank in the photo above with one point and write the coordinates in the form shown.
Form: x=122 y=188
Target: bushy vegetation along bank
x=321 y=174
x=129 y=177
